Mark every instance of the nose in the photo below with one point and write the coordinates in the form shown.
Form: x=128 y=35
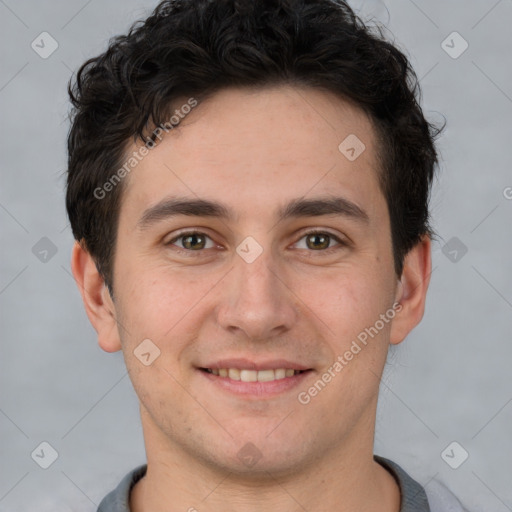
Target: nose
x=257 y=300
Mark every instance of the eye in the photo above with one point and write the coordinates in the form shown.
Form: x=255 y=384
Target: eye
x=195 y=241
x=319 y=241
x=192 y=241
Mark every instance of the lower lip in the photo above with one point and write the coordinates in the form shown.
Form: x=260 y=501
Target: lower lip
x=257 y=389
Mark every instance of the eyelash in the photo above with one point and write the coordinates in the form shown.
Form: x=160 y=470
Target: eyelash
x=189 y=252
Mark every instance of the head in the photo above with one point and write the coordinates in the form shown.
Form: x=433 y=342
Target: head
x=194 y=49
x=223 y=119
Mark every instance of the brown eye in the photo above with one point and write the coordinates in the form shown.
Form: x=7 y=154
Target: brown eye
x=317 y=241
x=192 y=241
x=320 y=241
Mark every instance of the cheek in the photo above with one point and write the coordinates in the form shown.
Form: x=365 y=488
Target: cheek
x=165 y=306
x=160 y=309
x=347 y=300
x=155 y=300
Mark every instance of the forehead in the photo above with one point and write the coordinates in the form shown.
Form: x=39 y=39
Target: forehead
x=255 y=147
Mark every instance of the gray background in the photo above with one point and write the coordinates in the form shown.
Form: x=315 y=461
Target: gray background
x=449 y=381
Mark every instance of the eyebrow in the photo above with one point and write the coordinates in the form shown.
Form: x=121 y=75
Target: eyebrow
x=174 y=206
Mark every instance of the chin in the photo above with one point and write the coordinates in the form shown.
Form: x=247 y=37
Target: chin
x=261 y=455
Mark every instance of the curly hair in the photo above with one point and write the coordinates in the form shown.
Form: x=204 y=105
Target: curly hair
x=196 y=48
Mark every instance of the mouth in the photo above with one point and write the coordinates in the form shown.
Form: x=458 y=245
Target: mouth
x=255 y=380
x=244 y=375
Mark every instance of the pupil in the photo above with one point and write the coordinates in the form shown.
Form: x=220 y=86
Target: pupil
x=324 y=241
x=191 y=240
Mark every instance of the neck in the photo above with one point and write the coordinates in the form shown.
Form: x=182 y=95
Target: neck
x=346 y=478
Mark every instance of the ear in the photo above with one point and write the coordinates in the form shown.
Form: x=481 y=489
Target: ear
x=412 y=290
x=98 y=303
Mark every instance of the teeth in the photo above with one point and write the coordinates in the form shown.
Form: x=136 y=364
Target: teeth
x=265 y=375
x=254 y=375
x=280 y=374
x=234 y=374
x=249 y=376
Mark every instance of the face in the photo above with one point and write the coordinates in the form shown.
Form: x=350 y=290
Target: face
x=282 y=272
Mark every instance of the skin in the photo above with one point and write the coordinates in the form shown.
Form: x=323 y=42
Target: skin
x=255 y=150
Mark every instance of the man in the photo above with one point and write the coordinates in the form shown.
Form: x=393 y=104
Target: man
x=248 y=187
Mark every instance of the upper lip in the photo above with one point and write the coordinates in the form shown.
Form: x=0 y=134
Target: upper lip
x=247 y=364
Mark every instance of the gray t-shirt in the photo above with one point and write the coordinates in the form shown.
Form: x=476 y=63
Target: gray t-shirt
x=415 y=498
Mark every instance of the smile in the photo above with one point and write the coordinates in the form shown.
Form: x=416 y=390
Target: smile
x=253 y=375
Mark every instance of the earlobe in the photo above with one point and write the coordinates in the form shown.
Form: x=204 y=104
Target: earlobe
x=412 y=290
x=98 y=304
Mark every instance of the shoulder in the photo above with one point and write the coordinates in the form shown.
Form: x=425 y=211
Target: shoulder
x=118 y=500
x=434 y=497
